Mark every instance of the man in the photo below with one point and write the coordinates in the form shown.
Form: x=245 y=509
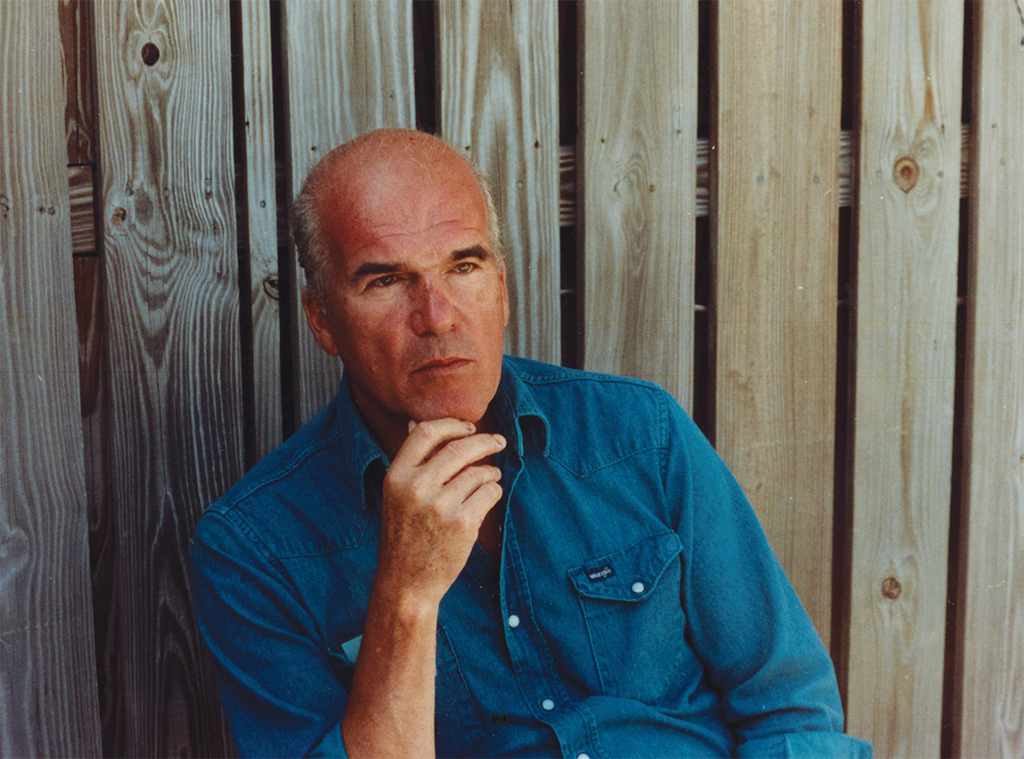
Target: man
x=478 y=556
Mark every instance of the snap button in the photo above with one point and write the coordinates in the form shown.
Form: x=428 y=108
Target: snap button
x=582 y=756
x=638 y=587
x=547 y=704
x=513 y=620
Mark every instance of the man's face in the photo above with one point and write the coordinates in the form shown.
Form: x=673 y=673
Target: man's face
x=416 y=304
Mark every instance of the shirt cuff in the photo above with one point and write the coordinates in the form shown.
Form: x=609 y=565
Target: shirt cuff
x=807 y=745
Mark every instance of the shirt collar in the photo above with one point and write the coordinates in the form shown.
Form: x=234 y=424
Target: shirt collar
x=364 y=460
x=519 y=419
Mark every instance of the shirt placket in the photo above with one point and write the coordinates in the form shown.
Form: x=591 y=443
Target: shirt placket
x=534 y=665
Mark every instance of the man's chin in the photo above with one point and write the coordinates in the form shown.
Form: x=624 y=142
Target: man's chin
x=452 y=402
x=448 y=412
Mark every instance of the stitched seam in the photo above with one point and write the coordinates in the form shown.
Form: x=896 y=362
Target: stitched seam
x=589 y=472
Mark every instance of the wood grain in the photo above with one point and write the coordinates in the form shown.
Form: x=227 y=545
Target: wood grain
x=82 y=211
x=174 y=417
x=349 y=70
x=991 y=716
x=774 y=237
x=638 y=175
x=499 y=105
x=48 y=704
x=261 y=212
x=905 y=313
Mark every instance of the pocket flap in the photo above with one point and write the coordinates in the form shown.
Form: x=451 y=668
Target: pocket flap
x=630 y=574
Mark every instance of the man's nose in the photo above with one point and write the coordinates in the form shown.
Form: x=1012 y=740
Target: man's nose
x=433 y=311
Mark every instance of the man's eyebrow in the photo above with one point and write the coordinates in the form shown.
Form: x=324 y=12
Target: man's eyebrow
x=376 y=268
x=477 y=251
x=372 y=268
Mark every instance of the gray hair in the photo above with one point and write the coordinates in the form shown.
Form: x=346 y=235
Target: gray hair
x=312 y=246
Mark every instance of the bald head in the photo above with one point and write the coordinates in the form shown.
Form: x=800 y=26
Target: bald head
x=375 y=176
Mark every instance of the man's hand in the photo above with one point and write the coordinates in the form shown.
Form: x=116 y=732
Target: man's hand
x=436 y=494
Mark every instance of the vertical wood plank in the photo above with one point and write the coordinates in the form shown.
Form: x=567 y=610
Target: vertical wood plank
x=349 y=70
x=265 y=296
x=499 y=104
x=774 y=231
x=992 y=626
x=905 y=310
x=638 y=178
x=174 y=424
x=48 y=704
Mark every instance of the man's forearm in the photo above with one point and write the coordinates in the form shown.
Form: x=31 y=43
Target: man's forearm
x=436 y=494
x=391 y=706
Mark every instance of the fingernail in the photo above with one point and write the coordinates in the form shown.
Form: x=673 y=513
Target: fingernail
x=500 y=440
x=412 y=425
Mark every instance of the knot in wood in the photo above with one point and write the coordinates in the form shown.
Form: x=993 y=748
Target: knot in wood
x=150 y=54
x=271 y=286
x=891 y=588
x=118 y=217
x=905 y=173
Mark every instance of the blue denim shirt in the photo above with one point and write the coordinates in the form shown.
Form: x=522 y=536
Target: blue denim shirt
x=637 y=609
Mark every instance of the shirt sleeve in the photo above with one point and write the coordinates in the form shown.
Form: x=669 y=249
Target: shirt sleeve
x=759 y=649
x=276 y=682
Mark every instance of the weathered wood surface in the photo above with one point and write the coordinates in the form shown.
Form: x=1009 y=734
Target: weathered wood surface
x=174 y=421
x=349 y=70
x=992 y=629
x=908 y=211
x=48 y=704
x=775 y=221
x=637 y=176
x=499 y=104
x=261 y=214
x=82 y=211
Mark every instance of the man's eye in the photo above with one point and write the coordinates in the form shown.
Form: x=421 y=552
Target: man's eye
x=386 y=281
x=465 y=267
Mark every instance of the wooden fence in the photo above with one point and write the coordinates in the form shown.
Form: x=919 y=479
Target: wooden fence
x=803 y=217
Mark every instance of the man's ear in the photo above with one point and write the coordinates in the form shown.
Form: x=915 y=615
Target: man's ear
x=316 y=317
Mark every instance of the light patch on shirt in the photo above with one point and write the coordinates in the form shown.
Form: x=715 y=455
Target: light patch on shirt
x=351 y=647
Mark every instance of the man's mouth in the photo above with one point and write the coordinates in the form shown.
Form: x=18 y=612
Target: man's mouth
x=442 y=365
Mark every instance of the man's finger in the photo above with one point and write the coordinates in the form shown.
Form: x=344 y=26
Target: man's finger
x=469 y=480
x=481 y=501
x=425 y=437
x=457 y=455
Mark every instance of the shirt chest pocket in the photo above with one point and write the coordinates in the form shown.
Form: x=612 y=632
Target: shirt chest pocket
x=635 y=623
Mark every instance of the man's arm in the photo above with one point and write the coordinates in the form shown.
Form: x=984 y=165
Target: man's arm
x=277 y=680
x=436 y=495
x=760 y=650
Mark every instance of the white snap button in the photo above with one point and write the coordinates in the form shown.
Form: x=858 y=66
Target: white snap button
x=638 y=587
x=513 y=620
x=547 y=704
x=582 y=756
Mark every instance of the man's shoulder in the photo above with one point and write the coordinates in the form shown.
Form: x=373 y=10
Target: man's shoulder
x=554 y=386
x=538 y=374
x=589 y=412
x=302 y=496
